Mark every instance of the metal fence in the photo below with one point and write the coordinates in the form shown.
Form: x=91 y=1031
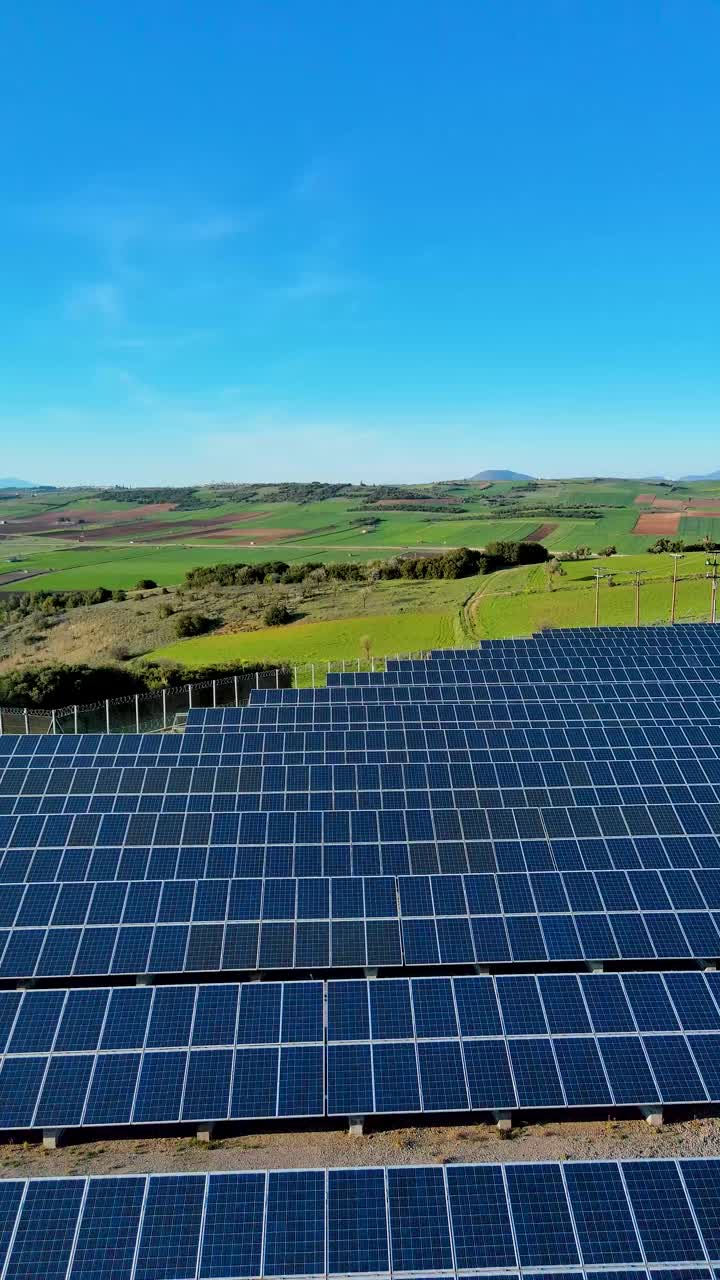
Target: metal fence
x=165 y=709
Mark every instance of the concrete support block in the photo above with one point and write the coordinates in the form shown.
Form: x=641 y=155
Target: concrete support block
x=52 y=1138
x=205 y=1132
x=503 y=1120
x=653 y=1115
x=595 y=966
x=257 y=976
x=356 y=1126
x=709 y=966
x=143 y=980
x=371 y=972
x=481 y=969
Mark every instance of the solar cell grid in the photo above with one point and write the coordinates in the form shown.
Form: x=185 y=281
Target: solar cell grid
x=342 y=1222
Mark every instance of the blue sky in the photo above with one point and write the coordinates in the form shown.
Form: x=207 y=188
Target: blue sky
x=396 y=240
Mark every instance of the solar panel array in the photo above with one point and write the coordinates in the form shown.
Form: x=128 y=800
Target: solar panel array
x=136 y=1055
x=552 y=803
x=612 y=1218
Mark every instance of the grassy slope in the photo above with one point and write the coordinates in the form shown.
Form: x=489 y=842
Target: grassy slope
x=319 y=641
x=514 y=602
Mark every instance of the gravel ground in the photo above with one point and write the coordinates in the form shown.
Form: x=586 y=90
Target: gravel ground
x=576 y=1140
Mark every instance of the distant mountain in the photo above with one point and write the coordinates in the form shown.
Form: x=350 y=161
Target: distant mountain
x=501 y=475
x=711 y=475
x=12 y=482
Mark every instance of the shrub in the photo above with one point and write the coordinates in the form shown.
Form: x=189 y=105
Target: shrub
x=278 y=615
x=193 y=624
x=145 y=584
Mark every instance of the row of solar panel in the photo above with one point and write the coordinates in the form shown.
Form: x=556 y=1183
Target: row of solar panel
x=363 y=942
x=651 y=681
x=420 y=1220
x=152 y=750
x=223 y=779
x=398 y=746
x=379 y=1077
x=36 y=903
x=359 y=826
x=491 y=695
x=466 y=713
x=174 y=862
x=222 y=1015
x=428 y=798
x=424 y=754
x=541 y=662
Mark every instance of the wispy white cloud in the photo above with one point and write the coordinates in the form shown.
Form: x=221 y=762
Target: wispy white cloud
x=319 y=283
x=159 y=343
x=116 y=222
x=316 y=181
x=100 y=299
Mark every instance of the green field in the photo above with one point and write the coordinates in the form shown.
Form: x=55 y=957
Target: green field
x=349 y=524
x=319 y=641
x=512 y=602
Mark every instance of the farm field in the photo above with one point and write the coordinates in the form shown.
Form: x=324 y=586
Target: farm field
x=78 y=539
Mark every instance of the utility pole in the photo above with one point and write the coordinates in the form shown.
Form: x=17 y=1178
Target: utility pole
x=676 y=555
x=638 y=573
x=598 y=575
x=712 y=565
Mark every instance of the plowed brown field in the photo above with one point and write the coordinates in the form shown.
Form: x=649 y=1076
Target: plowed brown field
x=658 y=525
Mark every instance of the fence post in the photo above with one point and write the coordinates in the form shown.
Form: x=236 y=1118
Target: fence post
x=372 y=664
x=164 y=702
x=312 y=674
x=358 y=664
x=75 y=718
x=25 y=718
x=53 y=722
x=257 y=679
x=189 y=689
x=214 y=684
x=1 y=722
x=295 y=683
x=277 y=677
x=343 y=666
x=107 y=715
x=236 y=690
x=137 y=713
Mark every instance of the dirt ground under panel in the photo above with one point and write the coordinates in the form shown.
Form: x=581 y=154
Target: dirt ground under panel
x=470 y=1143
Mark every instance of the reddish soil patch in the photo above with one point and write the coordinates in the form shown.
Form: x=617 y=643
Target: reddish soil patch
x=659 y=524
x=645 y=499
x=542 y=531
x=157 y=530
x=259 y=535
x=668 y=504
x=713 y=514
x=67 y=517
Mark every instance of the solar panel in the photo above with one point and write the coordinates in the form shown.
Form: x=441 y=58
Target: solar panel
x=426 y=1044
x=366 y=921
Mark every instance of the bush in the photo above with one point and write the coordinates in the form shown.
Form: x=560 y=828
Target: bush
x=119 y=595
x=166 y=611
x=193 y=624
x=56 y=685
x=278 y=615
x=145 y=584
